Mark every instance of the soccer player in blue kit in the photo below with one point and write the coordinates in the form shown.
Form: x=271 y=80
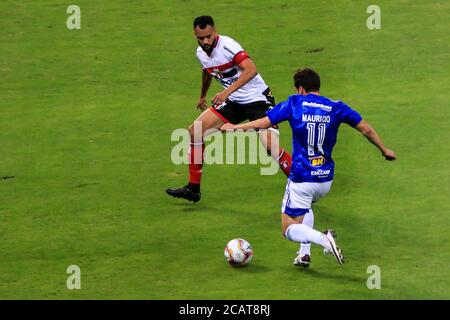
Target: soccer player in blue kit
x=315 y=121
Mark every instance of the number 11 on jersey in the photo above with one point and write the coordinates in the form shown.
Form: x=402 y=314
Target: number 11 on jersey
x=312 y=137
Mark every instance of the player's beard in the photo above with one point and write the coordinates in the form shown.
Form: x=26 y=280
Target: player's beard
x=209 y=48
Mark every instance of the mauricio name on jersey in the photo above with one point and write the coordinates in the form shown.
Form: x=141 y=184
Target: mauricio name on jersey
x=315 y=121
x=223 y=64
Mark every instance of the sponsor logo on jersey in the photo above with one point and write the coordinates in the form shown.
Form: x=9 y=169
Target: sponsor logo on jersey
x=218 y=74
x=228 y=82
x=317 y=105
x=320 y=172
x=317 y=161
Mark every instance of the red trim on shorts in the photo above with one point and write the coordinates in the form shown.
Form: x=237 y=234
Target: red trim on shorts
x=219 y=115
x=240 y=56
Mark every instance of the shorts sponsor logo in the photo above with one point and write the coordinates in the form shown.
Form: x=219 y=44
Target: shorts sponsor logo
x=220 y=106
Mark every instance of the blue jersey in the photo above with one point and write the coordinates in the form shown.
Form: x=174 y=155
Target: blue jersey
x=315 y=121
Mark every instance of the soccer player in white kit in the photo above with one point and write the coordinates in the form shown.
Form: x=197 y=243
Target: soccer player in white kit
x=315 y=121
x=245 y=97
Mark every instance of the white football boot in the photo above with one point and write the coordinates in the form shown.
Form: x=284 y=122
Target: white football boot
x=302 y=260
x=335 y=250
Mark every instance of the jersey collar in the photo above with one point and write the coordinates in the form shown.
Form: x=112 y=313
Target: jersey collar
x=216 y=42
x=214 y=46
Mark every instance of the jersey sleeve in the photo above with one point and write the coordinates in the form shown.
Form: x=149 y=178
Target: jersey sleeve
x=234 y=52
x=349 y=116
x=280 y=113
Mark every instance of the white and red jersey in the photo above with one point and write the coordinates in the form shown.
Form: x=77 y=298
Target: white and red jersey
x=223 y=64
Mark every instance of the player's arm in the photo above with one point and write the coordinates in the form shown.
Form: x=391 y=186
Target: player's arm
x=374 y=138
x=206 y=83
x=248 y=73
x=262 y=123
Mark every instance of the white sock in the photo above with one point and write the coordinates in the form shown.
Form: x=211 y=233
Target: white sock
x=300 y=233
x=308 y=220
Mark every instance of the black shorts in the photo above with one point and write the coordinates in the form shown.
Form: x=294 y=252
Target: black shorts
x=235 y=113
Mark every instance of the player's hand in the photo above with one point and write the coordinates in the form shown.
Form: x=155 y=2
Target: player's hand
x=227 y=127
x=389 y=155
x=219 y=98
x=202 y=104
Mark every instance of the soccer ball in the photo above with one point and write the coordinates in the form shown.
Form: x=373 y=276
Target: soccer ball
x=238 y=253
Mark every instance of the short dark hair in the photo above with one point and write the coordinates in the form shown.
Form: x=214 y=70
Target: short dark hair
x=308 y=79
x=203 y=21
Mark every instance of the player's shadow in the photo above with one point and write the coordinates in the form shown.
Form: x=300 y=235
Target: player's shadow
x=254 y=268
x=324 y=275
x=192 y=207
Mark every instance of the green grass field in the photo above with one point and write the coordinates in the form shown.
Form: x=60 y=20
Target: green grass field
x=85 y=123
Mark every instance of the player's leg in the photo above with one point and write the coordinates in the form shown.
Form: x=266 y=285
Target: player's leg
x=296 y=204
x=302 y=201
x=269 y=138
x=296 y=231
x=207 y=120
x=305 y=248
x=304 y=254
